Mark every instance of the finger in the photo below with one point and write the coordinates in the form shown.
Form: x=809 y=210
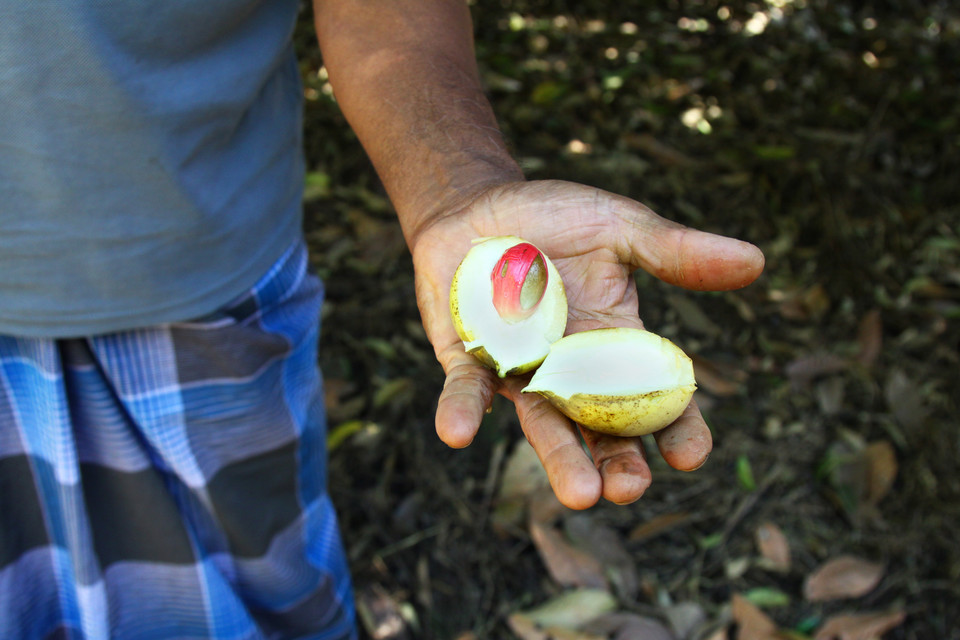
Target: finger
x=580 y=320
x=680 y=255
x=687 y=442
x=622 y=464
x=573 y=477
x=466 y=396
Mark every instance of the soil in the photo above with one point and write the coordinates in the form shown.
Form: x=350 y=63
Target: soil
x=826 y=133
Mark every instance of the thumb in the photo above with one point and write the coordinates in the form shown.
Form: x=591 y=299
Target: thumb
x=680 y=255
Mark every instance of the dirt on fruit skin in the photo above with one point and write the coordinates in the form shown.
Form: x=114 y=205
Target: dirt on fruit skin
x=827 y=133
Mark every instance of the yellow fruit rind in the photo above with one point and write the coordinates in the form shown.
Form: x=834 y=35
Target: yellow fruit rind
x=481 y=354
x=462 y=332
x=624 y=415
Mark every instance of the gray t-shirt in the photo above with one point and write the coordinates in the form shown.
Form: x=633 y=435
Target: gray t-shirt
x=150 y=158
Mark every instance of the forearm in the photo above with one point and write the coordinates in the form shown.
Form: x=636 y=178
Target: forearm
x=404 y=74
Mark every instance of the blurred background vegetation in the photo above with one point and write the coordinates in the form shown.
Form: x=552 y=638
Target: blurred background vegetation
x=828 y=133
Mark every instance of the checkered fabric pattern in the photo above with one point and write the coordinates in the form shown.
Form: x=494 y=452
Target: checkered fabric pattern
x=170 y=482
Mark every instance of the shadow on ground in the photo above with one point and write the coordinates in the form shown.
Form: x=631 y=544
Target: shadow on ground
x=824 y=132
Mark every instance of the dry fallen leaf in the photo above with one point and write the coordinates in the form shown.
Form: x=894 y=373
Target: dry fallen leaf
x=806 y=369
x=717 y=378
x=906 y=400
x=559 y=633
x=523 y=478
x=569 y=610
x=658 y=524
x=843 y=577
x=773 y=546
x=567 y=565
x=660 y=151
x=607 y=545
x=752 y=623
x=859 y=626
x=335 y=390
x=629 y=626
x=544 y=507
x=685 y=618
x=881 y=470
x=870 y=338
x=523 y=473
x=861 y=478
x=527 y=629
x=692 y=316
x=804 y=305
x=381 y=614
x=830 y=394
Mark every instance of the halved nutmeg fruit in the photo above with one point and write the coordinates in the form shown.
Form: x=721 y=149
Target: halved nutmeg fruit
x=508 y=304
x=510 y=309
x=626 y=382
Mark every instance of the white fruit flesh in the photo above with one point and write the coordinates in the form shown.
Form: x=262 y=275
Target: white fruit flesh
x=622 y=381
x=507 y=347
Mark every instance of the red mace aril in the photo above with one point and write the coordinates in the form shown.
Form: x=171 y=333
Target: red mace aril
x=519 y=282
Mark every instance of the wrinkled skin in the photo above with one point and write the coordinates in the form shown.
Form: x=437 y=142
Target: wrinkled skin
x=596 y=240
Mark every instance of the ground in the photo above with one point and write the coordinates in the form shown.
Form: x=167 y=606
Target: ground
x=824 y=132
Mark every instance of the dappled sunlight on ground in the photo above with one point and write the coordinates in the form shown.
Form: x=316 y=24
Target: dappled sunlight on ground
x=824 y=132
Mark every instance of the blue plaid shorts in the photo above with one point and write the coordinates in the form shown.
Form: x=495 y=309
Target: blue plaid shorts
x=170 y=482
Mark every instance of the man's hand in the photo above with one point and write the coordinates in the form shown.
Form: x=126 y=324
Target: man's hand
x=596 y=240
x=405 y=76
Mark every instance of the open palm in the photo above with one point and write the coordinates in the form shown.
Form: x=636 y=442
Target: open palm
x=596 y=240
